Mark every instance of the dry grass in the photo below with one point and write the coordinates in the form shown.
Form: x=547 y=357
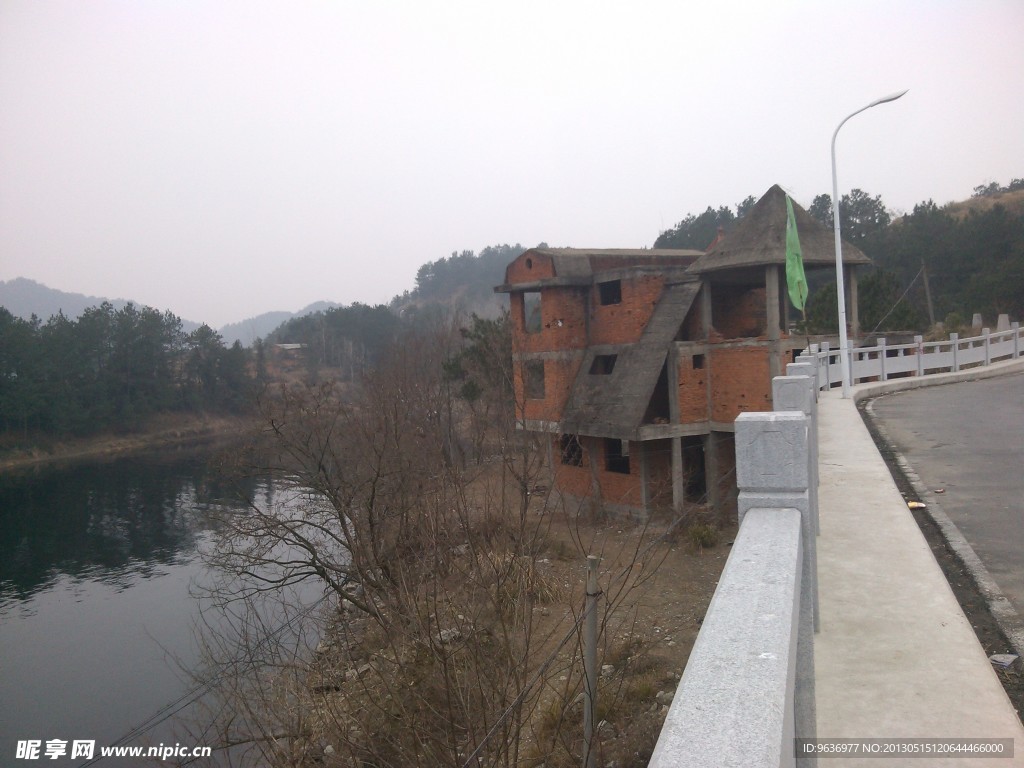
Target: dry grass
x=1012 y=201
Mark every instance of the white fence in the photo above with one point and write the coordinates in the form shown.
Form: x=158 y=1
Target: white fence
x=918 y=358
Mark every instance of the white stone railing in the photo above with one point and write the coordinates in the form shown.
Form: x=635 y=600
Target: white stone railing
x=918 y=358
x=748 y=687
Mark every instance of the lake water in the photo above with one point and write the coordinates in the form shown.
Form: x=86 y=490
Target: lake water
x=99 y=569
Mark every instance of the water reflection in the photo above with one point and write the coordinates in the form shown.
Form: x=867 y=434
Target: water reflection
x=113 y=522
x=100 y=566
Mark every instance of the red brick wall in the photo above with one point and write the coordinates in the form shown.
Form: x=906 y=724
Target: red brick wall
x=559 y=376
x=617 y=488
x=623 y=323
x=528 y=268
x=693 y=390
x=563 y=321
x=739 y=381
x=572 y=479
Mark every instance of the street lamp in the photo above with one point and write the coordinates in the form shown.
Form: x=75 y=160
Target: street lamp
x=844 y=344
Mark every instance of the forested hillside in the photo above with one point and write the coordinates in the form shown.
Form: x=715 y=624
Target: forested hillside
x=114 y=366
x=971 y=254
x=112 y=369
x=464 y=281
x=349 y=339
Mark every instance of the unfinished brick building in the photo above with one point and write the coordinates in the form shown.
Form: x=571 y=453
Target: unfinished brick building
x=637 y=362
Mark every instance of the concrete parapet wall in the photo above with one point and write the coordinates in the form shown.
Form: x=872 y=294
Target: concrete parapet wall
x=735 y=703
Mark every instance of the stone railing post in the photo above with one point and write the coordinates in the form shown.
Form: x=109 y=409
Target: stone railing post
x=807 y=365
x=1016 y=340
x=795 y=392
x=954 y=340
x=773 y=472
x=919 y=341
x=881 y=359
x=987 y=333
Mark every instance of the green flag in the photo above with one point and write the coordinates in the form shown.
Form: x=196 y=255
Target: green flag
x=795 y=278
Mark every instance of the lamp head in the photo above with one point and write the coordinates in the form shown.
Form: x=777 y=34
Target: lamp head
x=884 y=99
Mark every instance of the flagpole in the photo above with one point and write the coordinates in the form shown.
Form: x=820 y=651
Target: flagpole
x=844 y=343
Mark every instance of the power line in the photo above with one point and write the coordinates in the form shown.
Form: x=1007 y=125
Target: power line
x=893 y=307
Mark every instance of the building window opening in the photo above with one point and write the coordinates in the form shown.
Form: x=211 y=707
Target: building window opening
x=616 y=455
x=610 y=292
x=694 y=476
x=698 y=362
x=532 y=322
x=603 y=365
x=658 y=409
x=533 y=379
x=572 y=451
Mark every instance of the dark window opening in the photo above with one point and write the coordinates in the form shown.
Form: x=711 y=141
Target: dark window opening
x=603 y=365
x=698 y=362
x=616 y=455
x=658 y=407
x=693 y=468
x=529 y=263
x=690 y=326
x=533 y=379
x=610 y=292
x=572 y=451
x=532 y=312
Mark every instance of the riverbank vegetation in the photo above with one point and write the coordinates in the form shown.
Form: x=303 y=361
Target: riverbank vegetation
x=453 y=580
x=113 y=371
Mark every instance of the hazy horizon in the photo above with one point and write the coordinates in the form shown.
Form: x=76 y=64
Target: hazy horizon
x=226 y=159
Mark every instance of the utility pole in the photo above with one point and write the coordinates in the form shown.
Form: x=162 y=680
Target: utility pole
x=928 y=295
x=590 y=662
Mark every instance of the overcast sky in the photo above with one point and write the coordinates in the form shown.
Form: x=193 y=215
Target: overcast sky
x=224 y=158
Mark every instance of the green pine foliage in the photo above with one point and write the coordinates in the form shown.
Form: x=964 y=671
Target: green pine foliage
x=111 y=370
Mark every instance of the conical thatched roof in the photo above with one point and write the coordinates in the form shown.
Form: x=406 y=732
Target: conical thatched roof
x=760 y=239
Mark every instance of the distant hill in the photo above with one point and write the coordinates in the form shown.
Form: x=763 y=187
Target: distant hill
x=23 y=298
x=261 y=326
x=1012 y=201
x=464 y=281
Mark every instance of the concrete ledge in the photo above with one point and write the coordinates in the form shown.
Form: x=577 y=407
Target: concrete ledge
x=735 y=703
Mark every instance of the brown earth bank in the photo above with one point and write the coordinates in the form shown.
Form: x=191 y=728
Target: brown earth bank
x=165 y=431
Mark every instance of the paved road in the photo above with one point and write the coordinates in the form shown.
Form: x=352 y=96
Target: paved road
x=968 y=439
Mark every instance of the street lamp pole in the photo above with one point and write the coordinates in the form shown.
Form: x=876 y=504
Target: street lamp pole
x=844 y=344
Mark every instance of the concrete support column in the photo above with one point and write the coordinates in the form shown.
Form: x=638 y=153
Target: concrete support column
x=711 y=470
x=705 y=309
x=771 y=290
x=678 y=475
x=640 y=451
x=595 y=449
